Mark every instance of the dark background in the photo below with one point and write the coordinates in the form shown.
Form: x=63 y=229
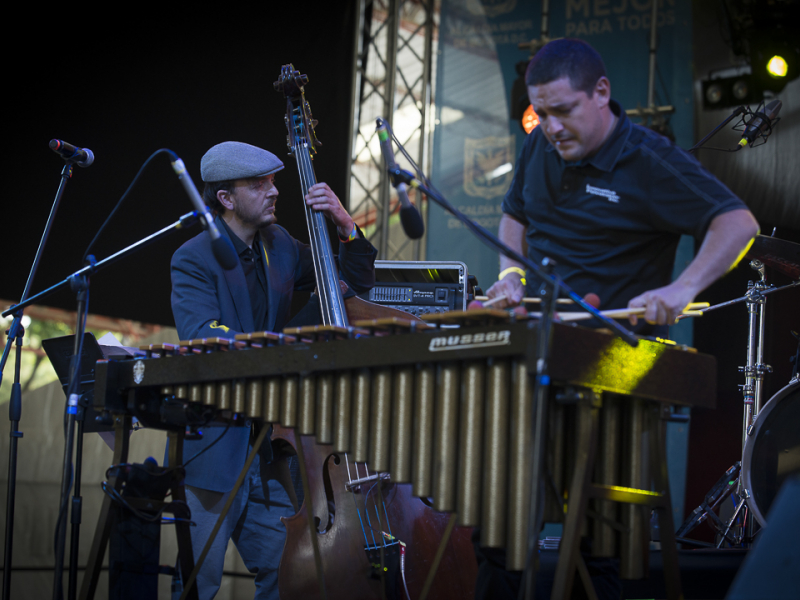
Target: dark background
x=126 y=88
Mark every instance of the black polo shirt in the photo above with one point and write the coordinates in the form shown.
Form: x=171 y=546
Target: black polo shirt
x=612 y=222
x=253 y=264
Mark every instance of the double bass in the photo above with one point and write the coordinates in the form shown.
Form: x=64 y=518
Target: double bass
x=357 y=534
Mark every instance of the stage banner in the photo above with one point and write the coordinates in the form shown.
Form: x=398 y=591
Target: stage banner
x=476 y=141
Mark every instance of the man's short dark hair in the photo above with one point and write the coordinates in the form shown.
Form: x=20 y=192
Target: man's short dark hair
x=570 y=58
x=210 y=194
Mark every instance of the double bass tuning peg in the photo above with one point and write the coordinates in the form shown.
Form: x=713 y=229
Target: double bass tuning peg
x=301 y=79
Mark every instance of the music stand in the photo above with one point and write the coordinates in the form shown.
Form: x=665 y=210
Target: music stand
x=59 y=350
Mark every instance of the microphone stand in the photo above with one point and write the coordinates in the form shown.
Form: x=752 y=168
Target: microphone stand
x=552 y=287
x=79 y=285
x=17 y=332
x=79 y=282
x=736 y=112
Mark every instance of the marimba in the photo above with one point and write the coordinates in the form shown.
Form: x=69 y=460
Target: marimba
x=448 y=410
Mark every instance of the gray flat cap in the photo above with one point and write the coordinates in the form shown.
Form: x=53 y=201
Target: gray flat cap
x=236 y=160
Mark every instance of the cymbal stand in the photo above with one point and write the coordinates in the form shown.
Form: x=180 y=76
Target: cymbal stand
x=752 y=390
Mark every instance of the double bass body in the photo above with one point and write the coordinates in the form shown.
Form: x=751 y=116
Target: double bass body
x=344 y=517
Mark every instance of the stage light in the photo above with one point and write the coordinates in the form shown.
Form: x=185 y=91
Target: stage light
x=724 y=92
x=714 y=93
x=740 y=89
x=763 y=36
x=529 y=119
x=777 y=66
x=774 y=60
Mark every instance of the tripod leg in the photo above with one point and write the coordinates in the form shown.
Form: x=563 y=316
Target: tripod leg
x=185 y=555
x=716 y=495
x=658 y=461
x=732 y=520
x=122 y=428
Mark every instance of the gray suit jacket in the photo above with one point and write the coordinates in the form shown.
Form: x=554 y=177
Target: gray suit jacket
x=208 y=301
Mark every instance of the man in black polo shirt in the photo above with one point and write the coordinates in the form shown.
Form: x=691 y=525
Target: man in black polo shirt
x=608 y=200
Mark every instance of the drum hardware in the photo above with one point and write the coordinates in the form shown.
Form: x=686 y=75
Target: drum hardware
x=744 y=496
x=721 y=491
x=785 y=257
x=781 y=255
x=772 y=450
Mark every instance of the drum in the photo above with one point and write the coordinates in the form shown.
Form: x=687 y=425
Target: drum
x=772 y=449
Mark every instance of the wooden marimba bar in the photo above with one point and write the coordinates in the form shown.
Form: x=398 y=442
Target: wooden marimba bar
x=447 y=410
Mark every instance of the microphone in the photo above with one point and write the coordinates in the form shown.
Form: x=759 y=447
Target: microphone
x=761 y=121
x=83 y=157
x=409 y=215
x=222 y=248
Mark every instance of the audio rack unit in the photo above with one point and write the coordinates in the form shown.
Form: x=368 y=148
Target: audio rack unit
x=420 y=287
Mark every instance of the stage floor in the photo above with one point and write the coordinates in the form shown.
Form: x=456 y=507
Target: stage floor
x=706 y=574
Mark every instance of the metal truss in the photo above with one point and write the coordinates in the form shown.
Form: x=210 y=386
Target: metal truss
x=393 y=76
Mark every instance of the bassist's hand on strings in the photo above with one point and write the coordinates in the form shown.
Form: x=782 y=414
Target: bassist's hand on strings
x=320 y=197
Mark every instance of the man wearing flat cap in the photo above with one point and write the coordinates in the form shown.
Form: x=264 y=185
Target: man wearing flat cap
x=208 y=301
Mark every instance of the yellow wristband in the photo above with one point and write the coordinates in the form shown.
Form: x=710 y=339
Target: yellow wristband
x=516 y=270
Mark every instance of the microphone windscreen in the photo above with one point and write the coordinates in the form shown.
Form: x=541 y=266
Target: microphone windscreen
x=773 y=108
x=412 y=222
x=224 y=253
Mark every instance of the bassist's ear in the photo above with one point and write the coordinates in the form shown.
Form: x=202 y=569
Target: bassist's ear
x=224 y=197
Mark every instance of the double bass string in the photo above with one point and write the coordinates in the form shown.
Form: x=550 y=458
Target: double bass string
x=355 y=502
x=381 y=534
x=366 y=507
x=369 y=496
x=385 y=512
x=306 y=175
x=316 y=221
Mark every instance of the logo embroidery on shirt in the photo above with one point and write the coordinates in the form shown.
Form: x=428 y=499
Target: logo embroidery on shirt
x=609 y=195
